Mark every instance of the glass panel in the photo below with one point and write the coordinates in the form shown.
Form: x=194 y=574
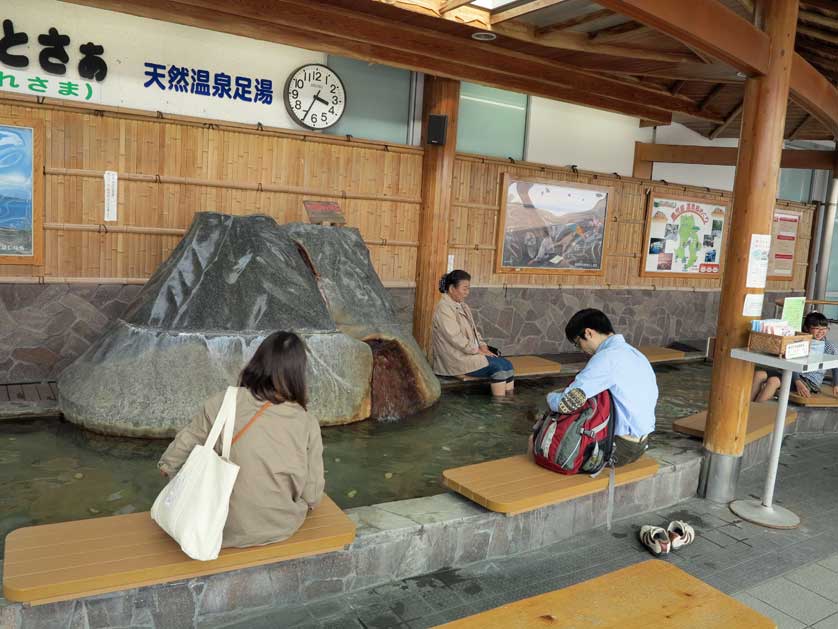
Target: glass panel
x=491 y=121
x=377 y=100
x=795 y=184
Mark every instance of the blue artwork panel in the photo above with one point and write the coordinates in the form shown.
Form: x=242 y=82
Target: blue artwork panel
x=16 y=191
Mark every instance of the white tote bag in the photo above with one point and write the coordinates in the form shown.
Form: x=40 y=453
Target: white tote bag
x=193 y=507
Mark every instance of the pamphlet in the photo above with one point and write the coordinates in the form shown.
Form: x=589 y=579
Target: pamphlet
x=793 y=311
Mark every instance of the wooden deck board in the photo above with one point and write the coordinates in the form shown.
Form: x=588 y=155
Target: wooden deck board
x=760 y=421
x=15 y=393
x=30 y=392
x=825 y=399
x=534 y=366
x=657 y=354
x=4 y=393
x=57 y=562
x=648 y=594
x=45 y=391
x=516 y=484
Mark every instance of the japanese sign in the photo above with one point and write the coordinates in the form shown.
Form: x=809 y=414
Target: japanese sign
x=65 y=51
x=783 y=242
x=18 y=72
x=684 y=236
x=324 y=212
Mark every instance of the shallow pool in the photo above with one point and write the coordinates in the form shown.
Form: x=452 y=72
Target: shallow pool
x=52 y=471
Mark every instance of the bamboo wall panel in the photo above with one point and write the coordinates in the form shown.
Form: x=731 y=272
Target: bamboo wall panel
x=477 y=190
x=171 y=168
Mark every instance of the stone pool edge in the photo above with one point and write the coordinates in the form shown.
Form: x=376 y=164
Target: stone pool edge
x=395 y=540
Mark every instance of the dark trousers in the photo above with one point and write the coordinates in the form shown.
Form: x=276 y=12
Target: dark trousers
x=628 y=451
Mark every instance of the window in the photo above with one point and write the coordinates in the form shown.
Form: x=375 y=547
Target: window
x=491 y=121
x=377 y=100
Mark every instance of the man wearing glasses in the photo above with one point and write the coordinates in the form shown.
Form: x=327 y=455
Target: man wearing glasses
x=625 y=372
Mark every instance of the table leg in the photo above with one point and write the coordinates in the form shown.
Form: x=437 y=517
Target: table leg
x=764 y=512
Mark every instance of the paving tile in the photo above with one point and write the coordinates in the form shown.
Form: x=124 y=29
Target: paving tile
x=783 y=621
x=827 y=623
x=830 y=562
x=817 y=579
x=794 y=600
x=440 y=618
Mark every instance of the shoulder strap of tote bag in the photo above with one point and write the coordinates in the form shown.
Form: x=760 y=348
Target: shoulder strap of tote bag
x=225 y=420
x=251 y=422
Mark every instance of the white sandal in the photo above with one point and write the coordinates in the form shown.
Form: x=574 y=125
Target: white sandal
x=655 y=539
x=680 y=534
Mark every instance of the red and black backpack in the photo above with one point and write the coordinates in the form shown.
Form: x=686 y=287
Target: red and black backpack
x=581 y=442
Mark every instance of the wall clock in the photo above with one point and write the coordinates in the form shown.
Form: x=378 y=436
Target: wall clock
x=315 y=96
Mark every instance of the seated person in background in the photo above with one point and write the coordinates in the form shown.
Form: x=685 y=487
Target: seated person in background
x=281 y=453
x=458 y=348
x=767 y=381
x=625 y=372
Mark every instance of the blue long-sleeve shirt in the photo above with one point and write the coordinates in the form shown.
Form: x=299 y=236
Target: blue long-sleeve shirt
x=627 y=374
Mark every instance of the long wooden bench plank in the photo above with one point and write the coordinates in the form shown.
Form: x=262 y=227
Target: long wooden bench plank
x=649 y=594
x=516 y=484
x=825 y=399
x=656 y=354
x=56 y=562
x=760 y=421
x=534 y=366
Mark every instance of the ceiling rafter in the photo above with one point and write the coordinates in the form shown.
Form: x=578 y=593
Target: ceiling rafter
x=817 y=34
x=517 y=10
x=615 y=33
x=579 y=20
x=727 y=121
x=449 y=5
x=704 y=102
x=796 y=131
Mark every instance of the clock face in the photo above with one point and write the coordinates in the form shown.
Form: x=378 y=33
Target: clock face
x=314 y=96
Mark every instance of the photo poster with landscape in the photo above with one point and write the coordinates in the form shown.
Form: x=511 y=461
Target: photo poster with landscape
x=684 y=236
x=551 y=227
x=19 y=238
x=784 y=234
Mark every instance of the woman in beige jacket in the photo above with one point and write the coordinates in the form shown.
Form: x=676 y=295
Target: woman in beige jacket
x=277 y=445
x=458 y=348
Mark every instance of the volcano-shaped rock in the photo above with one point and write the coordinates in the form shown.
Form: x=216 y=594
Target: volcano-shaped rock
x=229 y=283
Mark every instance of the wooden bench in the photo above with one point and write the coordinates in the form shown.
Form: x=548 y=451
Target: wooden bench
x=516 y=484
x=56 y=562
x=656 y=354
x=534 y=366
x=824 y=399
x=650 y=594
x=761 y=418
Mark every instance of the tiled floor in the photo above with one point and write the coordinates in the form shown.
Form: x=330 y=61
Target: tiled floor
x=791 y=576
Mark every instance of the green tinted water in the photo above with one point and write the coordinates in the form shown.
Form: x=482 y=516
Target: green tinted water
x=52 y=471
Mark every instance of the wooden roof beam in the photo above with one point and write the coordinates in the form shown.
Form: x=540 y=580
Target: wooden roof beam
x=704 y=102
x=616 y=33
x=582 y=42
x=820 y=20
x=706 y=25
x=812 y=90
x=726 y=156
x=799 y=127
x=504 y=15
x=447 y=6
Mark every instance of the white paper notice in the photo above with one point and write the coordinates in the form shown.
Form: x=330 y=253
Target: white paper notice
x=758 y=260
x=111 y=195
x=450 y=262
x=753 y=305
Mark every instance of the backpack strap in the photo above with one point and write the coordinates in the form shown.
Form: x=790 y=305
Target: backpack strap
x=251 y=422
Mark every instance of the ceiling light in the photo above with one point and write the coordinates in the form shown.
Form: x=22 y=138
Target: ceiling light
x=484 y=36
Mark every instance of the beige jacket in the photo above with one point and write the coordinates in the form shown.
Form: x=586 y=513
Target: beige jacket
x=455 y=339
x=281 y=460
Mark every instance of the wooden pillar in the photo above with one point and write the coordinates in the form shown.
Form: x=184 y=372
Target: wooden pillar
x=754 y=195
x=442 y=96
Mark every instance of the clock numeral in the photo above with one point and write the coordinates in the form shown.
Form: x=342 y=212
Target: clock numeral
x=314 y=118
x=322 y=117
x=298 y=104
x=331 y=110
x=335 y=100
x=333 y=88
x=295 y=94
x=317 y=75
x=298 y=83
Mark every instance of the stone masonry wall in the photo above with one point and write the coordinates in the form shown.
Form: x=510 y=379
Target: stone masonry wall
x=44 y=327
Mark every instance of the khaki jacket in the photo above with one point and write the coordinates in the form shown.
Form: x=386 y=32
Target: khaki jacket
x=281 y=461
x=455 y=340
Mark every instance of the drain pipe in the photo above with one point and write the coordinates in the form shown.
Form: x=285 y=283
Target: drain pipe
x=826 y=237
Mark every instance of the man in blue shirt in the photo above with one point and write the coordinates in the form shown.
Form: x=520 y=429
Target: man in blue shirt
x=625 y=372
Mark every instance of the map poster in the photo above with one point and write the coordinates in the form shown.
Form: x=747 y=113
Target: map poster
x=551 y=226
x=683 y=236
x=784 y=231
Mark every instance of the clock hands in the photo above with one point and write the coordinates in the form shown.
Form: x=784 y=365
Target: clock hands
x=313 y=100
x=318 y=99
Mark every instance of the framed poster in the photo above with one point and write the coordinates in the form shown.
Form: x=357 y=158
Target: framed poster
x=21 y=193
x=551 y=226
x=684 y=236
x=784 y=233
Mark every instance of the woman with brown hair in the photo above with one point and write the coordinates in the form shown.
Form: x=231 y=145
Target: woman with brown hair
x=277 y=445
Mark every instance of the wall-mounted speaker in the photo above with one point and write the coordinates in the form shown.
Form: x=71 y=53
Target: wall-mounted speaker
x=437 y=127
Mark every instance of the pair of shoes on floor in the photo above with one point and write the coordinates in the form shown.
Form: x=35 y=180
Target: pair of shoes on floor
x=660 y=541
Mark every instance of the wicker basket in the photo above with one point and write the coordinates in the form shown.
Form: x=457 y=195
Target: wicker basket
x=773 y=344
